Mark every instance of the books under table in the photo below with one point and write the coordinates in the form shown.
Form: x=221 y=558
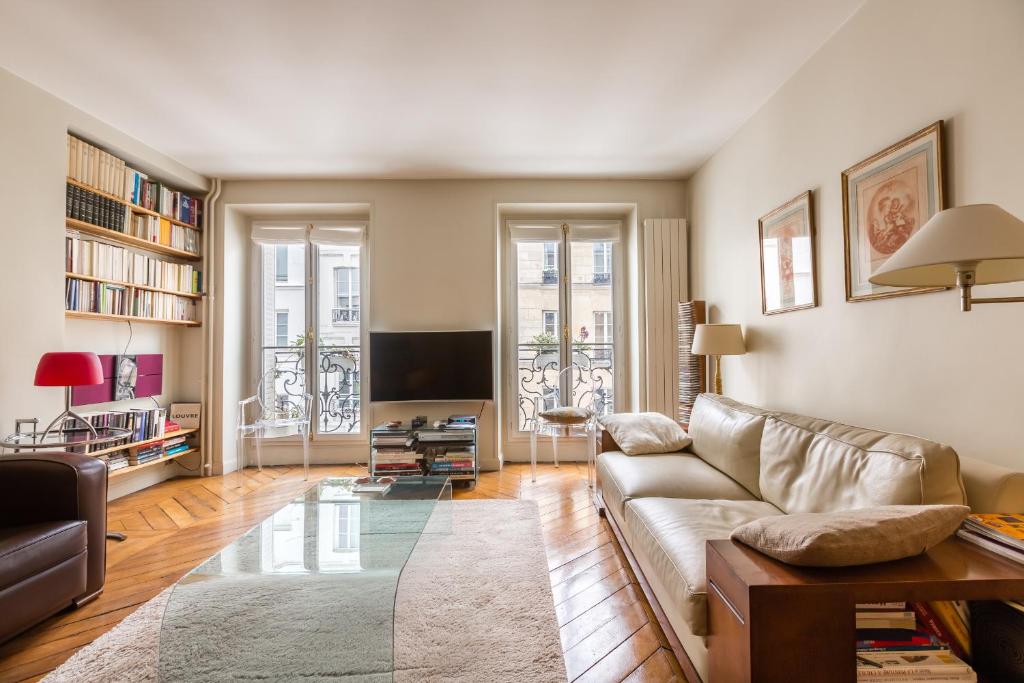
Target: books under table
x=918 y=641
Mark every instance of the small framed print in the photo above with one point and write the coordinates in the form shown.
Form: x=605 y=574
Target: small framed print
x=886 y=199
x=788 y=278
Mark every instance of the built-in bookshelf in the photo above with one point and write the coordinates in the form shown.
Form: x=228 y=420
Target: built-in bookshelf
x=133 y=244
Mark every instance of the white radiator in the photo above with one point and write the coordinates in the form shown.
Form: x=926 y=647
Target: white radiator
x=665 y=285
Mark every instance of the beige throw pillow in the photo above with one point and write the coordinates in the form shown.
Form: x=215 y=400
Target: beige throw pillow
x=644 y=433
x=567 y=416
x=852 y=537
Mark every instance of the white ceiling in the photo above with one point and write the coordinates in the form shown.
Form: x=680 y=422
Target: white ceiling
x=420 y=88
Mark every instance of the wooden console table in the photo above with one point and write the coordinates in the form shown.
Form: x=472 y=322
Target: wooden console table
x=769 y=621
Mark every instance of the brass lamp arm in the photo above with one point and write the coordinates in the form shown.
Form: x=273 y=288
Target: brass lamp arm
x=965 y=281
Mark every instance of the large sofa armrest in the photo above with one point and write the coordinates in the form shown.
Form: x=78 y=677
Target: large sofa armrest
x=992 y=488
x=55 y=487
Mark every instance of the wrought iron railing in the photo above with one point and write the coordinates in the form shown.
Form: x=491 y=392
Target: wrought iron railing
x=338 y=373
x=592 y=384
x=344 y=315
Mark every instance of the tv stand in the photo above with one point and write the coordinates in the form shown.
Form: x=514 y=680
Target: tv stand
x=449 y=450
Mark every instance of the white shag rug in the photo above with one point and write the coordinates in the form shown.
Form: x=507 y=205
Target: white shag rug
x=472 y=605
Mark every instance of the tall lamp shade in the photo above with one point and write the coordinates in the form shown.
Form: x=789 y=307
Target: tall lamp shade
x=718 y=340
x=976 y=244
x=68 y=369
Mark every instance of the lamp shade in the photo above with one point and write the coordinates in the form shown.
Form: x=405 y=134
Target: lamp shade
x=979 y=237
x=68 y=369
x=718 y=340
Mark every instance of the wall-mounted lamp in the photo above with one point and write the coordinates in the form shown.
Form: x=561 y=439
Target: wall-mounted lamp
x=977 y=244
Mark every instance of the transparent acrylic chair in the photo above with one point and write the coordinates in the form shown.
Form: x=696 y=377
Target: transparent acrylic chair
x=578 y=426
x=280 y=407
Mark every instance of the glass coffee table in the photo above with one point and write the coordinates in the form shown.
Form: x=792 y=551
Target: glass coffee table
x=309 y=593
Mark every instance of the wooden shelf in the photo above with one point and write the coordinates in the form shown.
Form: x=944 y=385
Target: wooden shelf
x=131 y=469
x=139 y=444
x=129 y=240
x=90 y=278
x=135 y=207
x=134 y=318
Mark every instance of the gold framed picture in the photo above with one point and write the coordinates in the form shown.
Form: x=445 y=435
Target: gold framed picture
x=789 y=280
x=886 y=199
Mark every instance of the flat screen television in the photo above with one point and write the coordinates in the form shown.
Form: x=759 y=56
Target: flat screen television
x=431 y=366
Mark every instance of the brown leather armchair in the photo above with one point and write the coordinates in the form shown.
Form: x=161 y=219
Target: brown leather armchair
x=53 y=523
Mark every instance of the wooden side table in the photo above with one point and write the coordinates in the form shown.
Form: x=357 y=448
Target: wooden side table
x=769 y=621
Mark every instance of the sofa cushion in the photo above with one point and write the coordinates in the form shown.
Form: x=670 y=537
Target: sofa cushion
x=33 y=548
x=645 y=433
x=668 y=537
x=852 y=537
x=727 y=434
x=670 y=475
x=812 y=465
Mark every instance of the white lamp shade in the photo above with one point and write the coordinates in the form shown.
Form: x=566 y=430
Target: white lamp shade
x=979 y=237
x=718 y=340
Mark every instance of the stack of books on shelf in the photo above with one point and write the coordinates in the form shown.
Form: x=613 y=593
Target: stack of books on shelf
x=178 y=444
x=1002 y=534
x=453 y=462
x=148 y=453
x=92 y=166
x=113 y=299
x=111 y=262
x=394 y=452
x=116 y=461
x=897 y=641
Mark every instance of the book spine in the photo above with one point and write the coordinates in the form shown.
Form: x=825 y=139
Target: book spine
x=931 y=623
x=948 y=615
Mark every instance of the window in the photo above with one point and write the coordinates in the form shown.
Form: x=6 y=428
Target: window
x=579 y=294
x=309 y=331
x=602 y=263
x=346 y=295
x=551 y=323
x=281 y=256
x=282 y=328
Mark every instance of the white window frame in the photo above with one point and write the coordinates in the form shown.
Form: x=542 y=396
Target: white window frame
x=509 y=381
x=312 y=301
x=554 y=323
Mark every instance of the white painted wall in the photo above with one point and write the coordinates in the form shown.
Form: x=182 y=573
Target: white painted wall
x=33 y=125
x=433 y=258
x=914 y=364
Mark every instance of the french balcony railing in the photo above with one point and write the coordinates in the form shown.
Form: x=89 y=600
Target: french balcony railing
x=549 y=276
x=344 y=315
x=592 y=385
x=602 y=278
x=338 y=383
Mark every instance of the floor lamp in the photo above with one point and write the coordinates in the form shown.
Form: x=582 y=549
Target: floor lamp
x=977 y=244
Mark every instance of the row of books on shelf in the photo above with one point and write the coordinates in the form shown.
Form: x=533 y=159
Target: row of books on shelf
x=917 y=641
x=111 y=262
x=89 y=207
x=127 y=457
x=110 y=299
x=107 y=173
x=144 y=423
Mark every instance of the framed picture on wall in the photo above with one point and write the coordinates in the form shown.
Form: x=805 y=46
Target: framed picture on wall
x=886 y=199
x=788 y=278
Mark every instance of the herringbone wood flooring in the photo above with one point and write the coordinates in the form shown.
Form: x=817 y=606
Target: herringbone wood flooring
x=607 y=631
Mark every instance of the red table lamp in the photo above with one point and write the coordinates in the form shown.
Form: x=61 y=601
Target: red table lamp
x=68 y=369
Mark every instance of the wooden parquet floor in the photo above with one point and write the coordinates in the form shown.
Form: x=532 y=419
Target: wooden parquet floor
x=607 y=630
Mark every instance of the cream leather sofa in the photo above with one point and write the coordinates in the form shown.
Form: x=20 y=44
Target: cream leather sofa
x=746 y=463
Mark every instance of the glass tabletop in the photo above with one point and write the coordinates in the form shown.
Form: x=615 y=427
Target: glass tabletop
x=309 y=593
x=69 y=439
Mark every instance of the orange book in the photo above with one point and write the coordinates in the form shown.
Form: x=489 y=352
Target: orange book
x=165 y=232
x=1008 y=524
